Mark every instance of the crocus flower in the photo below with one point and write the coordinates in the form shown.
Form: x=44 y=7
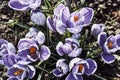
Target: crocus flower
x=78 y=19
x=109 y=45
x=78 y=67
x=17 y=70
x=70 y=48
x=6 y=47
x=22 y=5
x=38 y=17
x=63 y=20
x=27 y=48
x=36 y=35
x=20 y=72
x=61 y=68
x=55 y=22
x=97 y=29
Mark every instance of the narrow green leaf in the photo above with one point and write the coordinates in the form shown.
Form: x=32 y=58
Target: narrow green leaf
x=42 y=69
x=48 y=3
x=99 y=77
x=22 y=25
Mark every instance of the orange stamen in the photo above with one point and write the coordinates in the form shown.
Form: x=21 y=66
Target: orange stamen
x=76 y=18
x=80 y=67
x=33 y=50
x=18 y=72
x=110 y=44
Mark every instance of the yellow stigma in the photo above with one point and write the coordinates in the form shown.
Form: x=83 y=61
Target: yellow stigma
x=18 y=72
x=76 y=18
x=33 y=50
x=80 y=67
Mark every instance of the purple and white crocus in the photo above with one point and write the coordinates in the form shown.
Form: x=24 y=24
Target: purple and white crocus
x=97 y=29
x=6 y=48
x=62 y=19
x=109 y=45
x=70 y=48
x=55 y=22
x=61 y=68
x=22 y=5
x=17 y=69
x=36 y=35
x=28 y=49
x=78 y=67
x=38 y=17
x=77 y=20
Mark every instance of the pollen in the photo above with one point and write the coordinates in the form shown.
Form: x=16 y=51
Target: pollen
x=33 y=50
x=110 y=44
x=80 y=68
x=76 y=18
x=18 y=72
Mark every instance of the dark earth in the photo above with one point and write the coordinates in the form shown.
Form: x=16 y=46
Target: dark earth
x=106 y=12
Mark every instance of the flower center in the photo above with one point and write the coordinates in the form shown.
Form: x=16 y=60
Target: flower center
x=110 y=44
x=76 y=18
x=33 y=50
x=80 y=67
x=18 y=72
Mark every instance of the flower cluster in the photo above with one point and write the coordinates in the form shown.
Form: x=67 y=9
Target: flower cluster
x=63 y=20
x=77 y=67
x=30 y=49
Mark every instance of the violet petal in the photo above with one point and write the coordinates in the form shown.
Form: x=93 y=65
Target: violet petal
x=16 y=5
x=92 y=67
x=44 y=53
x=108 y=58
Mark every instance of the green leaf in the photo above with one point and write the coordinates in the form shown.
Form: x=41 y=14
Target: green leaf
x=101 y=78
x=82 y=1
x=117 y=57
x=22 y=25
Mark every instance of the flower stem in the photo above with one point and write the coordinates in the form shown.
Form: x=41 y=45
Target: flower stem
x=40 y=75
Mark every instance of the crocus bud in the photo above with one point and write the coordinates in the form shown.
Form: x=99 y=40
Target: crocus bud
x=38 y=17
x=97 y=29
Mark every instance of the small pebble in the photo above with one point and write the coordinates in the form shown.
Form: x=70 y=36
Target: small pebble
x=114 y=4
x=117 y=31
